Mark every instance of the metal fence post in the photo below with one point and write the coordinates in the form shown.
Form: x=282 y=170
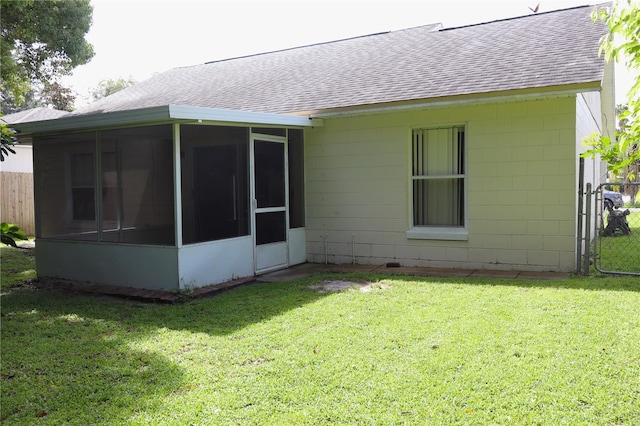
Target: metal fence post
x=587 y=231
x=580 y=218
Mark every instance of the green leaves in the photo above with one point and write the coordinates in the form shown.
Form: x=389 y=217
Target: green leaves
x=11 y=233
x=621 y=44
x=42 y=40
x=7 y=140
x=109 y=87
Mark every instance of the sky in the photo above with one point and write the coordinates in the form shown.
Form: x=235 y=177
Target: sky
x=135 y=39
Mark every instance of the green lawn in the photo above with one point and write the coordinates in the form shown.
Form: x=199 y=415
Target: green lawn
x=16 y=266
x=410 y=351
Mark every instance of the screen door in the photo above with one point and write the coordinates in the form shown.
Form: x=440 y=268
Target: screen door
x=270 y=205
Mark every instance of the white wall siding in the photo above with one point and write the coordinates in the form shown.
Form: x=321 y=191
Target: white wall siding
x=297 y=246
x=608 y=100
x=20 y=162
x=588 y=122
x=521 y=205
x=593 y=102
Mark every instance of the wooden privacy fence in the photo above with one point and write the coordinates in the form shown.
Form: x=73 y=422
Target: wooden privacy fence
x=16 y=200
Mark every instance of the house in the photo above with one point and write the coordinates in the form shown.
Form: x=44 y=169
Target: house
x=16 y=173
x=430 y=146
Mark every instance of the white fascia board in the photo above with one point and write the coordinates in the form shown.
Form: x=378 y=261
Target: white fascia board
x=161 y=114
x=182 y=112
x=444 y=102
x=94 y=121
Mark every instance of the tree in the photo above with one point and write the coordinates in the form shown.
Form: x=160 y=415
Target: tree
x=30 y=99
x=47 y=95
x=109 y=87
x=7 y=140
x=623 y=20
x=57 y=96
x=41 y=40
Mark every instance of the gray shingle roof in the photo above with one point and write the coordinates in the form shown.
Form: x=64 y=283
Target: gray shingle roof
x=535 y=51
x=33 y=114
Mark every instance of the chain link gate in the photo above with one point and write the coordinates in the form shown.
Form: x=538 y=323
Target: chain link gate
x=616 y=243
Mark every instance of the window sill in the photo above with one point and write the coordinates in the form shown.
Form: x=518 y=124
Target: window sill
x=438 y=233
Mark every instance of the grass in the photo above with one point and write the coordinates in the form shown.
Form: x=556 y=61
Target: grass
x=629 y=204
x=411 y=351
x=16 y=266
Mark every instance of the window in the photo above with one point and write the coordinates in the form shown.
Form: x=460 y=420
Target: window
x=82 y=186
x=438 y=178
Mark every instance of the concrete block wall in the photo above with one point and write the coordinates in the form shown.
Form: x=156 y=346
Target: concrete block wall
x=521 y=168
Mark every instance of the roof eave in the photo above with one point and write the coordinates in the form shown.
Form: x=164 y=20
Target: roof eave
x=459 y=100
x=161 y=114
x=182 y=112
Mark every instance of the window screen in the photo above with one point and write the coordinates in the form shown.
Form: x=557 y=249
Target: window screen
x=438 y=177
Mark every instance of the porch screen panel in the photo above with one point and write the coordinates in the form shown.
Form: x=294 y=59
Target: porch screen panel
x=82 y=169
x=438 y=177
x=137 y=186
x=111 y=188
x=269 y=170
x=65 y=186
x=296 y=179
x=273 y=131
x=215 y=182
x=271 y=228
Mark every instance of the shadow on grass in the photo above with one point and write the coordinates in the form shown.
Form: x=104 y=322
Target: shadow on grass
x=73 y=359
x=222 y=314
x=60 y=366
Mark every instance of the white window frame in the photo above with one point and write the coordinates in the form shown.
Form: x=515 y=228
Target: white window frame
x=438 y=232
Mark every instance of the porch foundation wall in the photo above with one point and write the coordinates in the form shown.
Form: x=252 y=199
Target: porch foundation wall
x=215 y=262
x=113 y=264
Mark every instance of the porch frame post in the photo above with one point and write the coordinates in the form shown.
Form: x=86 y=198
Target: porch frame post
x=177 y=186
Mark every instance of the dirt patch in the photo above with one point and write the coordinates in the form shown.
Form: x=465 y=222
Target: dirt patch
x=334 y=286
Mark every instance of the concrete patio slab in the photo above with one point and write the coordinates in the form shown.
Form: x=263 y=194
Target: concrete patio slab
x=531 y=275
x=494 y=274
x=292 y=273
x=308 y=269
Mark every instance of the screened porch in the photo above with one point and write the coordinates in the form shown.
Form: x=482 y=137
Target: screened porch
x=175 y=204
